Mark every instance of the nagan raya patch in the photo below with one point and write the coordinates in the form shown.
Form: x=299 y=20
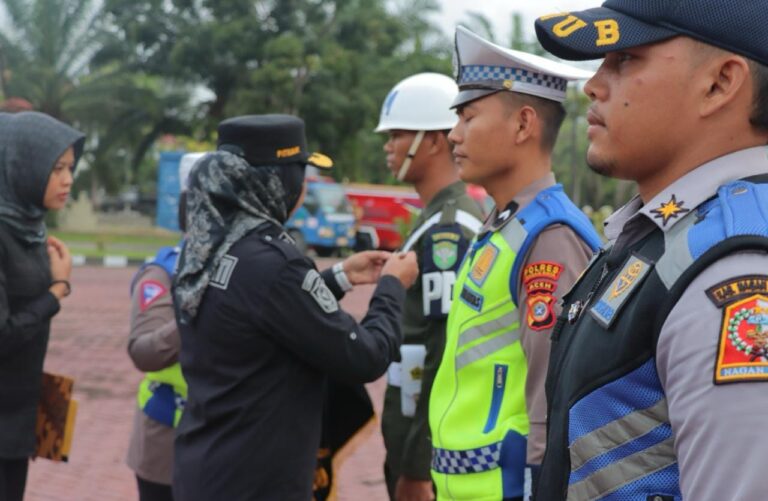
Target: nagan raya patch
x=540 y=281
x=742 y=353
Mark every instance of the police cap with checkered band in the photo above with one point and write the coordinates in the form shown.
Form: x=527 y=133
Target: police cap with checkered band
x=484 y=68
x=738 y=26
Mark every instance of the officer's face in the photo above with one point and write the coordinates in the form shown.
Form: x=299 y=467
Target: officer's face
x=482 y=138
x=397 y=147
x=640 y=113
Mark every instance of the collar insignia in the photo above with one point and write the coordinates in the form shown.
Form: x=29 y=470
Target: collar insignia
x=670 y=210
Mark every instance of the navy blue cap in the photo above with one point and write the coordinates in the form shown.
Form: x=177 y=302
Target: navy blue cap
x=739 y=26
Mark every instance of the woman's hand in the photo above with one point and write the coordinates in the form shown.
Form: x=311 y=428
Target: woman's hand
x=61 y=266
x=365 y=267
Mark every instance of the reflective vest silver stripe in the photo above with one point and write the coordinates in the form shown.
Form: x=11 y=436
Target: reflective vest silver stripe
x=514 y=234
x=487 y=348
x=617 y=433
x=677 y=257
x=623 y=472
x=476 y=332
x=463 y=218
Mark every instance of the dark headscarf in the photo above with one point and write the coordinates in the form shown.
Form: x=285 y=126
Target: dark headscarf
x=30 y=144
x=227 y=198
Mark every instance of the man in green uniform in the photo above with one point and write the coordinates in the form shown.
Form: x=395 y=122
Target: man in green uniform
x=487 y=410
x=417 y=116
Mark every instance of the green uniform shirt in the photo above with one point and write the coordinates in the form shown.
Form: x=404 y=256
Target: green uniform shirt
x=407 y=439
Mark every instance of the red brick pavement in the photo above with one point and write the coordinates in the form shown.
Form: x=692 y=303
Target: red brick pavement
x=88 y=342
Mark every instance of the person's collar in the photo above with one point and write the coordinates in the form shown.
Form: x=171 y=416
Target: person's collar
x=499 y=218
x=450 y=192
x=691 y=190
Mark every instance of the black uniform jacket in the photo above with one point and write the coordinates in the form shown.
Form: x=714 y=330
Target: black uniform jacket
x=268 y=333
x=26 y=308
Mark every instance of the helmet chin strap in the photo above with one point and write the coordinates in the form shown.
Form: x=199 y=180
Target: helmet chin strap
x=411 y=153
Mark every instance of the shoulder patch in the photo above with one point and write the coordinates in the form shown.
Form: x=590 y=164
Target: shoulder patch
x=540 y=311
x=149 y=292
x=737 y=288
x=316 y=287
x=223 y=273
x=616 y=295
x=742 y=353
x=445 y=249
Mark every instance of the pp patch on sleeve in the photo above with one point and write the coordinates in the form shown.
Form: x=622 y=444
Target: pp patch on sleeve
x=316 y=287
x=149 y=292
x=742 y=353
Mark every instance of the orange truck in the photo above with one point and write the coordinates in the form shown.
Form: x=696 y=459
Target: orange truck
x=385 y=213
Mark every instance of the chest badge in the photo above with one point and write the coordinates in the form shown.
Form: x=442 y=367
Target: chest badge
x=633 y=272
x=483 y=264
x=669 y=210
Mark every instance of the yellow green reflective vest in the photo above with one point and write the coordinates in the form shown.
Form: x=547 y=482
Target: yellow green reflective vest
x=163 y=394
x=477 y=409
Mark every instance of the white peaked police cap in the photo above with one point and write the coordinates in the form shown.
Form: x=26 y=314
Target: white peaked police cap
x=483 y=68
x=185 y=167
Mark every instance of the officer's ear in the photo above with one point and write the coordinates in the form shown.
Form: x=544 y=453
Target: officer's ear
x=528 y=124
x=437 y=141
x=727 y=77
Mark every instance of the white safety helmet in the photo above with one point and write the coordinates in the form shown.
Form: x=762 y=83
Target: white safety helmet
x=420 y=102
x=185 y=167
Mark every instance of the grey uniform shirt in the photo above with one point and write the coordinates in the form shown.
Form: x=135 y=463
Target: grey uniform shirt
x=717 y=428
x=557 y=245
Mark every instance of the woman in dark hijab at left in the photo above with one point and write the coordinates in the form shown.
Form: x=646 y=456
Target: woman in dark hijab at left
x=38 y=155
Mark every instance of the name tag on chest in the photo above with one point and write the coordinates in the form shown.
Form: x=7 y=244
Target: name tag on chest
x=632 y=274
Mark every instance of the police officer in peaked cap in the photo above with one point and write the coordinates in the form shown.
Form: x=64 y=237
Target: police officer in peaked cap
x=487 y=408
x=261 y=329
x=659 y=369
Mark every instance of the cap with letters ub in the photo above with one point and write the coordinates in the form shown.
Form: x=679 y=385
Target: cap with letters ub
x=737 y=26
x=484 y=68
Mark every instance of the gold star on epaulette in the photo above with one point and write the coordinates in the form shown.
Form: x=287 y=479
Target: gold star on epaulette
x=670 y=210
x=416 y=373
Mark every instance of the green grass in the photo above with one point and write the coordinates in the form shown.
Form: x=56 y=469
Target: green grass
x=134 y=244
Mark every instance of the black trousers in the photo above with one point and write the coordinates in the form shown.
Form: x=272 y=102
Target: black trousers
x=13 y=478
x=151 y=491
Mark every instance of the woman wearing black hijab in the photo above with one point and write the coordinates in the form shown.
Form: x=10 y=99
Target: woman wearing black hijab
x=38 y=155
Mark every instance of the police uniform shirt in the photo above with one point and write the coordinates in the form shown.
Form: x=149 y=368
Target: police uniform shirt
x=716 y=427
x=551 y=266
x=407 y=438
x=154 y=344
x=268 y=332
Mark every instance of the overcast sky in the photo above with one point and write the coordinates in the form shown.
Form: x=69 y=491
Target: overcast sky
x=500 y=11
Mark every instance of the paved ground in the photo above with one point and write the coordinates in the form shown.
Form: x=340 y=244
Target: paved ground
x=88 y=342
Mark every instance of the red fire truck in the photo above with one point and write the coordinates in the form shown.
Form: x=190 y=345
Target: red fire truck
x=384 y=213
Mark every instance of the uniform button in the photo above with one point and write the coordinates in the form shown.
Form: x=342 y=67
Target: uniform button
x=268 y=238
x=657 y=498
x=352 y=336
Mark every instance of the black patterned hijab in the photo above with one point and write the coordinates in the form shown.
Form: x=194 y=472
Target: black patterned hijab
x=227 y=199
x=30 y=144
